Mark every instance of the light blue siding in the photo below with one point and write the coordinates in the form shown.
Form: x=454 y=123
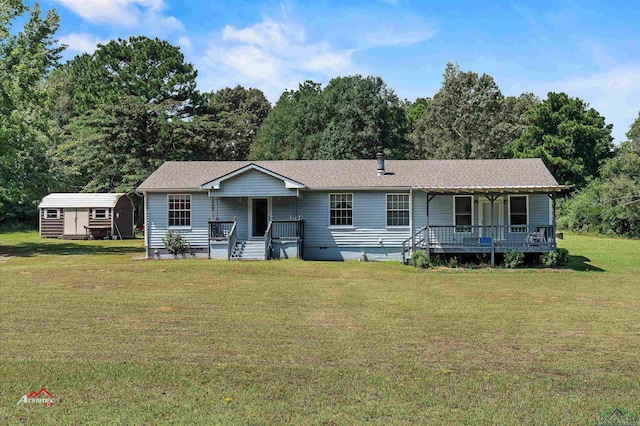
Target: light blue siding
x=284 y=208
x=230 y=208
x=369 y=222
x=369 y=232
x=353 y=253
x=252 y=183
x=441 y=209
x=538 y=209
x=158 y=219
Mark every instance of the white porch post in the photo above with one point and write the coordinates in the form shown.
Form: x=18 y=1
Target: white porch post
x=493 y=233
x=413 y=237
x=555 y=230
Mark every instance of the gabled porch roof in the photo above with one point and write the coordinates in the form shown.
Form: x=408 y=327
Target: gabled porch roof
x=288 y=183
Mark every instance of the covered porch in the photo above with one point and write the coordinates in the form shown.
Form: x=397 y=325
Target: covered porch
x=280 y=238
x=488 y=220
x=255 y=228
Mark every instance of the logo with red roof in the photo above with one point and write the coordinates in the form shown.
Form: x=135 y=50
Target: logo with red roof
x=42 y=396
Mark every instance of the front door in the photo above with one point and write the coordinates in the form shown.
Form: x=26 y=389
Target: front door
x=485 y=218
x=260 y=216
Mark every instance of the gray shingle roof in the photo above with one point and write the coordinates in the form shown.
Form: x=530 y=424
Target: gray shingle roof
x=320 y=174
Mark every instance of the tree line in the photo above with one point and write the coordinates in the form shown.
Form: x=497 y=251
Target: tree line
x=104 y=121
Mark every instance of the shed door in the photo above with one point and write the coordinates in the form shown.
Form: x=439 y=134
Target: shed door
x=75 y=220
x=70 y=221
x=83 y=220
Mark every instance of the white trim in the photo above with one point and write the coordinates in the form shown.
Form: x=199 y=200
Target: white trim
x=411 y=212
x=386 y=210
x=509 y=212
x=107 y=212
x=250 y=205
x=181 y=227
x=330 y=226
x=172 y=190
x=46 y=214
x=288 y=183
x=453 y=207
x=146 y=222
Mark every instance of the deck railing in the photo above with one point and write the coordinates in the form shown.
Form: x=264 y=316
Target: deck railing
x=481 y=238
x=291 y=230
x=497 y=236
x=220 y=229
x=287 y=229
x=223 y=230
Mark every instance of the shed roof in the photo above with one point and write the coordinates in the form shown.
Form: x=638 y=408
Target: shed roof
x=62 y=200
x=440 y=175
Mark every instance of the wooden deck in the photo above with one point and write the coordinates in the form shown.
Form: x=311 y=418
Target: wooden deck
x=482 y=239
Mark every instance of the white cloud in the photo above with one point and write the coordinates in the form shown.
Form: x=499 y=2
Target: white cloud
x=273 y=55
x=278 y=54
x=148 y=14
x=81 y=43
x=185 y=43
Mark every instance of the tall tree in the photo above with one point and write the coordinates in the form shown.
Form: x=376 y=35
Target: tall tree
x=124 y=97
x=416 y=109
x=461 y=119
x=572 y=138
x=362 y=116
x=235 y=115
x=25 y=58
x=353 y=117
x=291 y=130
x=151 y=69
x=611 y=203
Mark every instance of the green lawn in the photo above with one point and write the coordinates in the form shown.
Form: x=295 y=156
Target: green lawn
x=279 y=342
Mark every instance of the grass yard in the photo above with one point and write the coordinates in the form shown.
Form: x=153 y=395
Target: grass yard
x=279 y=342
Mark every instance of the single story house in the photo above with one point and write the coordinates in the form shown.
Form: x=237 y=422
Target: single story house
x=340 y=209
x=83 y=216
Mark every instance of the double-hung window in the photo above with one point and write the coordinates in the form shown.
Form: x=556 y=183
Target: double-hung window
x=518 y=213
x=397 y=209
x=179 y=210
x=341 y=209
x=463 y=212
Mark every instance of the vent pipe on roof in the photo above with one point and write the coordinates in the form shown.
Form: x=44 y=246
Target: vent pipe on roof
x=380 y=158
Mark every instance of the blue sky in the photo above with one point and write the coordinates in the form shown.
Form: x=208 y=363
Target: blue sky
x=588 y=49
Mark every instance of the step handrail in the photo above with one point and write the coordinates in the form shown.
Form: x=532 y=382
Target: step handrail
x=268 y=241
x=231 y=241
x=412 y=241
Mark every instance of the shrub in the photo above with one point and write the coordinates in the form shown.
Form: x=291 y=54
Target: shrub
x=513 y=259
x=175 y=243
x=437 y=261
x=453 y=262
x=419 y=259
x=555 y=259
